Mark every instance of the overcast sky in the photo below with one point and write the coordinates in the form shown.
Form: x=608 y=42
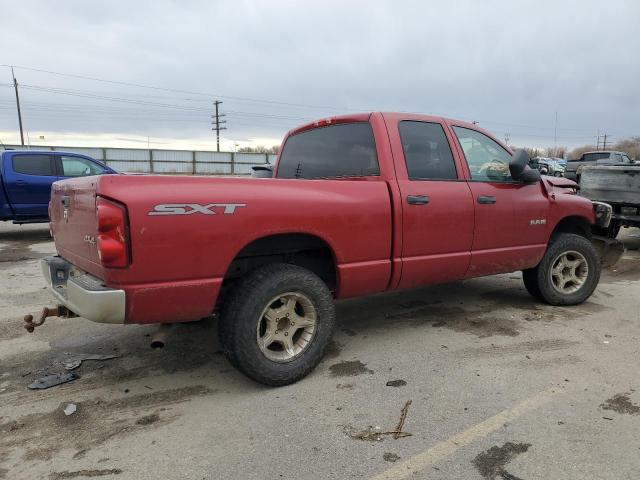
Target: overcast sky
x=510 y=65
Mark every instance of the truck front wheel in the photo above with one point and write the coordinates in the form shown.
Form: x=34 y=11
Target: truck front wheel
x=276 y=323
x=567 y=274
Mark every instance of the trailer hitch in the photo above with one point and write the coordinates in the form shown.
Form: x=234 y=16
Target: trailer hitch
x=59 y=311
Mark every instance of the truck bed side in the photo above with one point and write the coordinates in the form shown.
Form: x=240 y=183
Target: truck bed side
x=189 y=254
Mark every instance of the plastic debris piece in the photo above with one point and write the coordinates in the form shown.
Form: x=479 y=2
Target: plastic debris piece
x=52 y=380
x=70 y=409
x=396 y=383
x=76 y=361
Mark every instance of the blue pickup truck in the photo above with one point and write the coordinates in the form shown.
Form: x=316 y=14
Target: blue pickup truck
x=26 y=177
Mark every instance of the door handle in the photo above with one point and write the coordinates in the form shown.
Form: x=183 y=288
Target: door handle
x=417 y=199
x=486 y=199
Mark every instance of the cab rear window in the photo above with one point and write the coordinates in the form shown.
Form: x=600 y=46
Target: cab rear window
x=343 y=150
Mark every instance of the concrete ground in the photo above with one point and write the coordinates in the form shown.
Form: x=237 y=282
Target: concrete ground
x=500 y=387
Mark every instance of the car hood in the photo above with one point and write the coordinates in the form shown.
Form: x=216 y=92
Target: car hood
x=561 y=182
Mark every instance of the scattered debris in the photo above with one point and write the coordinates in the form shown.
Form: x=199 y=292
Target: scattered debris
x=52 y=380
x=396 y=383
x=491 y=463
x=80 y=454
x=148 y=419
x=390 y=457
x=345 y=386
x=84 y=473
x=70 y=409
x=369 y=434
x=607 y=418
x=621 y=403
x=403 y=415
x=76 y=360
x=375 y=434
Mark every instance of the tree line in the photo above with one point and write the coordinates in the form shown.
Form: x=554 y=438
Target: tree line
x=630 y=146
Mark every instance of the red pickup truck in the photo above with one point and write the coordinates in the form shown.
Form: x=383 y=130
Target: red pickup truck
x=359 y=204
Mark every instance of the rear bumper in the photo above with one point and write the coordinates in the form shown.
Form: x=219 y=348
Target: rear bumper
x=83 y=294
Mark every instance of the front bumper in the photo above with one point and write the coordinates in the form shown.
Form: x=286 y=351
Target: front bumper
x=83 y=294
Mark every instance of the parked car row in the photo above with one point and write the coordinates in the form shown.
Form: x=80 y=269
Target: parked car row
x=549 y=166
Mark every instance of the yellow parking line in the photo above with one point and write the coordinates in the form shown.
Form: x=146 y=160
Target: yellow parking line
x=443 y=449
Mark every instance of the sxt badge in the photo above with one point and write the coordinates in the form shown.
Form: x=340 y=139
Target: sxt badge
x=191 y=208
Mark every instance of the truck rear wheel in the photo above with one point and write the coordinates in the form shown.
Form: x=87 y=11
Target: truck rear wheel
x=276 y=323
x=567 y=274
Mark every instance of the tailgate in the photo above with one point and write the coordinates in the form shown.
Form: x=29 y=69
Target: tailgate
x=73 y=222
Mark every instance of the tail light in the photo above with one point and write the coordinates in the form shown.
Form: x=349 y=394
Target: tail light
x=113 y=234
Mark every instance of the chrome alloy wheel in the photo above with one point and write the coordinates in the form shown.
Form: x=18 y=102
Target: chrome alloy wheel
x=569 y=272
x=286 y=326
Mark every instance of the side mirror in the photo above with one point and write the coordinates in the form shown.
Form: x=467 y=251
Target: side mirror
x=520 y=170
x=529 y=175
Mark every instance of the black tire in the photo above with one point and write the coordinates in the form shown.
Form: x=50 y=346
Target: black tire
x=539 y=279
x=530 y=279
x=242 y=313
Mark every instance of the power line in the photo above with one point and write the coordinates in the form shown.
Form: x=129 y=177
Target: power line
x=250 y=99
x=174 y=90
x=112 y=98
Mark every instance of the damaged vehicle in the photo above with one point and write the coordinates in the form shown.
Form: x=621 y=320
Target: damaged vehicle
x=357 y=205
x=618 y=186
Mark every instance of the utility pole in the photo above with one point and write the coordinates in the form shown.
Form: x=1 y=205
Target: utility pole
x=604 y=137
x=15 y=87
x=507 y=137
x=217 y=122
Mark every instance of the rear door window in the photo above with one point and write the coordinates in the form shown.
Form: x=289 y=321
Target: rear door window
x=33 y=164
x=343 y=150
x=426 y=151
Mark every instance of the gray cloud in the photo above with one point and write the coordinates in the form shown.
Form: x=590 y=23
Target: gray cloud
x=510 y=65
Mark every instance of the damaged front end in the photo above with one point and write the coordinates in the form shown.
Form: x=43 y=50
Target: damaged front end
x=610 y=249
